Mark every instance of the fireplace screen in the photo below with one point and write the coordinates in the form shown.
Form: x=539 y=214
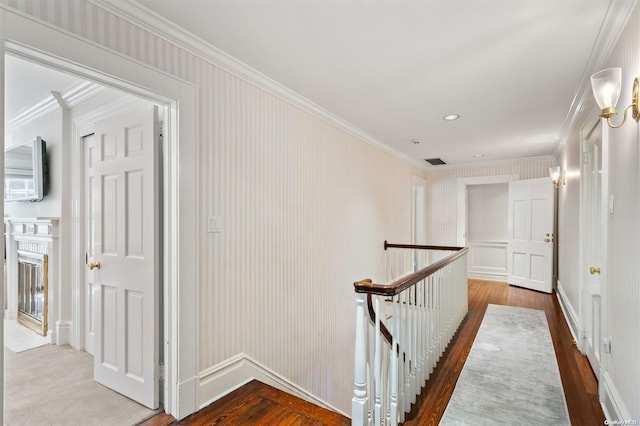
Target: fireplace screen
x=32 y=291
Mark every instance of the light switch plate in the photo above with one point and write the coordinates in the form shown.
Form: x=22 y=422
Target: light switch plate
x=214 y=224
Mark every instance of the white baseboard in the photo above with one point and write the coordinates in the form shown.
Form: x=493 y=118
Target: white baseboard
x=612 y=405
x=488 y=277
x=187 y=391
x=569 y=313
x=233 y=373
x=62 y=333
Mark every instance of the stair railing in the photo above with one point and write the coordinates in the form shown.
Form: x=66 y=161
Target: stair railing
x=403 y=327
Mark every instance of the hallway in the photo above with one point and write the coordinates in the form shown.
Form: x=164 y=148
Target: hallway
x=580 y=386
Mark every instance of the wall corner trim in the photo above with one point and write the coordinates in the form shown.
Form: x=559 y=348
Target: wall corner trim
x=238 y=370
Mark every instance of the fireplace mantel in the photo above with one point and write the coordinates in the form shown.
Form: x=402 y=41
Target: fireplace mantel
x=38 y=236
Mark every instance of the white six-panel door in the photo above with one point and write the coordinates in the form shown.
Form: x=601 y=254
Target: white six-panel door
x=124 y=286
x=530 y=243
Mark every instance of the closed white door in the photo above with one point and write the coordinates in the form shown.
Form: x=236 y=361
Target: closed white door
x=530 y=238
x=124 y=270
x=592 y=231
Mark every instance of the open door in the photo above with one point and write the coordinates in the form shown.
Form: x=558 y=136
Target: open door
x=530 y=242
x=124 y=262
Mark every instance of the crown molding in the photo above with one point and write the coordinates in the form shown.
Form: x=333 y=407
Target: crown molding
x=71 y=98
x=139 y=15
x=613 y=24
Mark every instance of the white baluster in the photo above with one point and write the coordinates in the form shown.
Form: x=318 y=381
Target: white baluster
x=425 y=333
x=377 y=368
x=430 y=322
x=407 y=351
x=393 y=367
x=360 y=401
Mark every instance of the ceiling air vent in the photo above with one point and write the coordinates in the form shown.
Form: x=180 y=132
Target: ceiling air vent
x=435 y=161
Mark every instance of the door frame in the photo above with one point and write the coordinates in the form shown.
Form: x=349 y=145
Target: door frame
x=462 y=210
x=53 y=47
x=418 y=211
x=593 y=121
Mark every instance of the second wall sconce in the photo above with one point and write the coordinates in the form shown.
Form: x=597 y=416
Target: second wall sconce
x=557 y=177
x=606 y=89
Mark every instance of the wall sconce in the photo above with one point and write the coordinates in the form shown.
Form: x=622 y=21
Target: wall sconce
x=557 y=178
x=606 y=89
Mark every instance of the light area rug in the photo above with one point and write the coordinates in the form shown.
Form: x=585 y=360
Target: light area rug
x=511 y=375
x=19 y=338
x=53 y=385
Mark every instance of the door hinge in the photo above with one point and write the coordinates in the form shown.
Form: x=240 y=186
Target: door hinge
x=160 y=371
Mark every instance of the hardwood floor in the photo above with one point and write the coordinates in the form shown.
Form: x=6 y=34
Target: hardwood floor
x=259 y=404
x=578 y=380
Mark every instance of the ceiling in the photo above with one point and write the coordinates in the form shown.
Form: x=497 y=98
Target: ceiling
x=509 y=68
x=27 y=84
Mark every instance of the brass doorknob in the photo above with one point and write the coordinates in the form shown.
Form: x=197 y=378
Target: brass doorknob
x=94 y=265
x=594 y=270
x=547 y=240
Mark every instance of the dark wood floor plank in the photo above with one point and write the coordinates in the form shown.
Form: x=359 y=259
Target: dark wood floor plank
x=162 y=419
x=259 y=404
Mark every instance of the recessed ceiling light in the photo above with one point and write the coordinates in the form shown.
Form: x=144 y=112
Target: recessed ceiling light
x=415 y=141
x=451 y=117
x=478 y=155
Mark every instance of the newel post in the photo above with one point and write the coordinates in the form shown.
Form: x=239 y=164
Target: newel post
x=360 y=401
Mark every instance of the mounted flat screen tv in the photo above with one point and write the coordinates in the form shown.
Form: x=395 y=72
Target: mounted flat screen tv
x=26 y=174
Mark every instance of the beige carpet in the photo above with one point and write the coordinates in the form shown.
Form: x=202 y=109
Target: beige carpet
x=53 y=385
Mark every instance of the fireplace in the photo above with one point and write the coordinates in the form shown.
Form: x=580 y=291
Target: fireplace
x=33 y=291
x=34 y=294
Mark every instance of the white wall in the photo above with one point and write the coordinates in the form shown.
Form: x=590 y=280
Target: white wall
x=305 y=208
x=487 y=230
x=442 y=192
x=621 y=321
x=488 y=211
x=623 y=268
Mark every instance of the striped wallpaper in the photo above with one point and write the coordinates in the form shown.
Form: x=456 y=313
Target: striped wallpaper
x=623 y=268
x=304 y=205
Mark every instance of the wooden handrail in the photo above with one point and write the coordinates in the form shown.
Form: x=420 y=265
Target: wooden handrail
x=401 y=284
x=421 y=247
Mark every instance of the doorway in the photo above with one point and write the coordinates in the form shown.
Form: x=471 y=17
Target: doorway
x=594 y=239
x=481 y=200
x=143 y=354
x=52 y=47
